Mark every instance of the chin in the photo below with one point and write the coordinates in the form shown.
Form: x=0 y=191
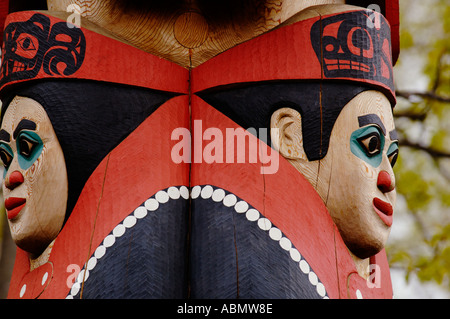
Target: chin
x=367 y=247
x=368 y=234
x=29 y=241
x=33 y=247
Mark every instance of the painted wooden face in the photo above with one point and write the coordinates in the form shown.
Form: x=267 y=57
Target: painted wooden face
x=361 y=184
x=35 y=180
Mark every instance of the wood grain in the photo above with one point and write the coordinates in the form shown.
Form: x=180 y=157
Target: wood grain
x=187 y=32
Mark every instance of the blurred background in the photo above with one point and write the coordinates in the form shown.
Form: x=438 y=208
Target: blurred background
x=419 y=245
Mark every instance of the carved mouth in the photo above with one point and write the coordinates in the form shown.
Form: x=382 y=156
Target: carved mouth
x=14 y=205
x=384 y=211
x=345 y=65
x=19 y=66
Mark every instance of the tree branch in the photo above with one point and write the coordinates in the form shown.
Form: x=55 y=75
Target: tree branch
x=437 y=79
x=424 y=95
x=412 y=115
x=433 y=152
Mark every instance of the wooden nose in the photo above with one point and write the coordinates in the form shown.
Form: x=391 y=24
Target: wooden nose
x=384 y=182
x=14 y=180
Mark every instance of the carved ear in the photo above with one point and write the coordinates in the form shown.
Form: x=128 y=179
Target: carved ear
x=286 y=133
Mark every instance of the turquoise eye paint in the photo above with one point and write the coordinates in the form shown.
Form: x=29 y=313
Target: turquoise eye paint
x=25 y=161
x=391 y=150
x=359 y=150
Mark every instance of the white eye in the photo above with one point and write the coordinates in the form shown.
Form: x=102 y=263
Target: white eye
x=371 y=144
x=26 y=146
x=393 y=157
x=5 y=157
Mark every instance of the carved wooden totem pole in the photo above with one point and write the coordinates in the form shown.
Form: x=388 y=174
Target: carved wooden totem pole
x=199 y=149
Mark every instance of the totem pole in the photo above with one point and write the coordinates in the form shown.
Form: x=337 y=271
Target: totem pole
x=190 y=150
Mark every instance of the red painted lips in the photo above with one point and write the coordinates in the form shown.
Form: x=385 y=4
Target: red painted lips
x=384 y=210
x=14 y=205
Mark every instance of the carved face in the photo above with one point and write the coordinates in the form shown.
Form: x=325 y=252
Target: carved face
x=35 y=179
x=361 y=185
x=24 y=47
x=355 y=178
x=354 y=45
x=32 y=45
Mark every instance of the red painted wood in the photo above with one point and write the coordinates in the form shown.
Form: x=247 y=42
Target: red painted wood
x=378 y=286
x=384 y=181
x=34 y=283
x=393 y=16
x=109 y=60
x=350 y=281
x=15 y=179
x=4 y=9
x=282 y=54
x=285 y=53
x=285 y=198
x=289 y=201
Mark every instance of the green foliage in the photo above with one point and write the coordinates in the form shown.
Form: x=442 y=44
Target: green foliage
x=415 y=189
x=406 y=40
x=436 y=268
x=439 y=138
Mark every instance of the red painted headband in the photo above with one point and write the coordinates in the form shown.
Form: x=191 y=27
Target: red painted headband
x=38 y=46
x=351 y=46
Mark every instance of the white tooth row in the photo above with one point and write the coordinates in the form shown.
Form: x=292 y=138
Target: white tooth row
x=205 y=192
x=253 y=215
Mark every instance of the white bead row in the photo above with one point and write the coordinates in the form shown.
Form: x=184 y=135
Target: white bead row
x=253 y=215
x=205 y=192
x=150 y=205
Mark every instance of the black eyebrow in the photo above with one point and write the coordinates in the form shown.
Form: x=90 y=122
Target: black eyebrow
x=393 y=135
x=24 y=124
x=371 y=119
x=5 y=136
